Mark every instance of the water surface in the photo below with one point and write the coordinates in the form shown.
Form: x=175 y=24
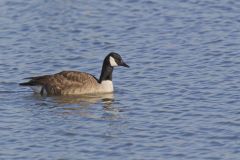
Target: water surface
x=178 y=100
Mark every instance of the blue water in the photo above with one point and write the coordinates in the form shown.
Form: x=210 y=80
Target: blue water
x=179 y=100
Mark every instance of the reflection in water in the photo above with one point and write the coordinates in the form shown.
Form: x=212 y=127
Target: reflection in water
x=82 y=100
x=86 y=100
x=86 y=106
x=96 y=106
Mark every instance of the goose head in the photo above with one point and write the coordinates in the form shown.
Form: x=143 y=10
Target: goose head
x=114 y=60
x=111 y=60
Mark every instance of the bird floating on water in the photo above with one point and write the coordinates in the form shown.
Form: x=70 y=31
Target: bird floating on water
x=75 y=82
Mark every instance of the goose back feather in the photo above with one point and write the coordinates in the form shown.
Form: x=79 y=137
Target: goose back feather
x=66 y=83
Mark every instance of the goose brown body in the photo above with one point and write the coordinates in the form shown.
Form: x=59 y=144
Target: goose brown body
x=66 y=83
x=75 y=82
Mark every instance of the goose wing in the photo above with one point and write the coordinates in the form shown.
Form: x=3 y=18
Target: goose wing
x=77 y=77
x=63 y=82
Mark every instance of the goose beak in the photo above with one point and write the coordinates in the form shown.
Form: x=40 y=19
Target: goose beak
x=124 y=65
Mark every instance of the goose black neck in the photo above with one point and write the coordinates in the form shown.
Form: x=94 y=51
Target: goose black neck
x=106 y=73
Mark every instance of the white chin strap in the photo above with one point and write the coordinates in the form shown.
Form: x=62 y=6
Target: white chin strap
x=112 y=62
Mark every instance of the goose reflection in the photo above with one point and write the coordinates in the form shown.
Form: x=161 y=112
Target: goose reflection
x=86 y=100
x=95 y=106
x=85 y=105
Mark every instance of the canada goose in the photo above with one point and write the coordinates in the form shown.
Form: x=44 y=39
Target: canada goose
x=76 y=83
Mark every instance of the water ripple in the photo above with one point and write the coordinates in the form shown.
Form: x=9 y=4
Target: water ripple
x=179 y=99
